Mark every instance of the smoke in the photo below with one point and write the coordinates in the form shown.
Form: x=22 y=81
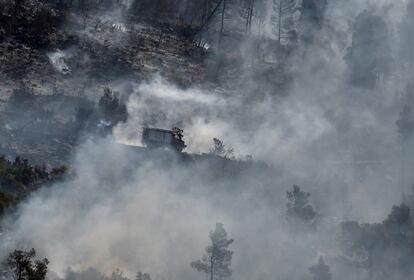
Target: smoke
x=136 y=212
x=161 y=104
x=140 y=212
x=57 y=59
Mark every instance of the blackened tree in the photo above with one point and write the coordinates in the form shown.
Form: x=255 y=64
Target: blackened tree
x=283 y=21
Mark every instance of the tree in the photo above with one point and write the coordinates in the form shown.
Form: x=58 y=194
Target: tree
x=283 y=21
x=217 y=260
x=111 y=109
x=360 y=243
x=246 y=13
x=219 y=149
x=118 y=274
x=298 y=207
x=250 y=9
x=320 y=271
x=398 y=224
x=259 y=16
x=209 y=12
x=143 y=276
x=370 y=246
x=22 y=266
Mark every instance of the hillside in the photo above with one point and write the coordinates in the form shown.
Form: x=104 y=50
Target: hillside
x=206 y=139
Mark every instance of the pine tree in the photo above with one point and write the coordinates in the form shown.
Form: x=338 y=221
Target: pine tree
x=217 y=260
x=283 y=20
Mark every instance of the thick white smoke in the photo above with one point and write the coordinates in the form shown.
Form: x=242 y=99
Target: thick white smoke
x=125 y=210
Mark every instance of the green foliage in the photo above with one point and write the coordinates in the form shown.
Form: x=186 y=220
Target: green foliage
x=18 y=179
x=21 y=265
x=217 y=260
x=20 y=173
x=381 y=247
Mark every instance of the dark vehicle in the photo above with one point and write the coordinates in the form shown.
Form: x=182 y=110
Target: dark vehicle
x=162 y=138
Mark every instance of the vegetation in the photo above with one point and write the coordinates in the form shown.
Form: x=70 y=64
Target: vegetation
x=20 y=173
x=31 y=22
x=110 y=108
x=216 y=39
x=220 y=149
x=299 y=211
x=142 y=276
x=370 y=246
x=6 y=201
x=217 y=260
x=21 y=265
x=283 y=21
x=18 y=179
